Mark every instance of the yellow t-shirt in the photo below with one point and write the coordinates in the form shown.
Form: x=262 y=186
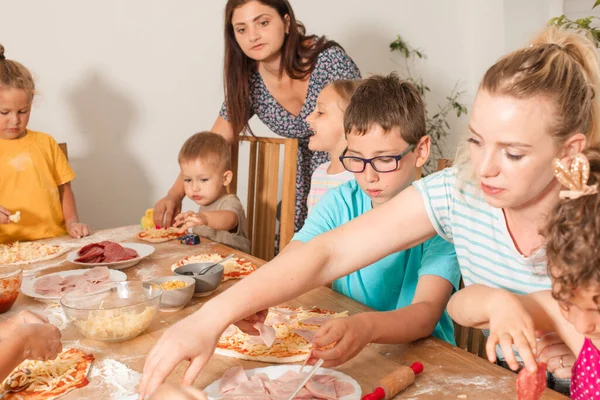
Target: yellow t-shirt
x=31 y=170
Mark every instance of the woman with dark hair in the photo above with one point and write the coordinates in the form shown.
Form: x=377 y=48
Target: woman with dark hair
x=275 y=70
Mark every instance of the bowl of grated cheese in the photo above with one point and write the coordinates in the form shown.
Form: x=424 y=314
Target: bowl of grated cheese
x=120 y=312
x=177 y=291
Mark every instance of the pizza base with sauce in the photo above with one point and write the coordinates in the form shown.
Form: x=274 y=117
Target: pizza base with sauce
x=234 y=268
x=29 y=252
x=162 y=235
x=294 y=329
x=47 y=380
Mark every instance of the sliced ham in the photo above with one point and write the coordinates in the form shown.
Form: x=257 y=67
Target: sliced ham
x=306 y=334
x=274 y=319
x=323 y=386
x=283 y=311
x=230 y=330
x=89 y=282
x=315 y=320
x=324 y=391
x=233 y=378
x=267 y=333
x=343 y=388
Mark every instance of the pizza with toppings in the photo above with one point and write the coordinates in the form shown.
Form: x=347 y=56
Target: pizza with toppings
x=234 y=268
x=154 y=235
x=285 y=336
x=29 y=252
x=48 y=379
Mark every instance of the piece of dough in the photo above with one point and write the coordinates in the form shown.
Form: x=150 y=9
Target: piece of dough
x=16 y=217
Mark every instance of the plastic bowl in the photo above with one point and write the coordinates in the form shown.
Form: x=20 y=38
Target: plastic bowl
x=175 y=299
x=121 y=312
x=10 y=285
x=205 y=284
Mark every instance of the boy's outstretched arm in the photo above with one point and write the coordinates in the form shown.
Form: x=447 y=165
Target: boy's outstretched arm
x=404 y=325
x=220 y=220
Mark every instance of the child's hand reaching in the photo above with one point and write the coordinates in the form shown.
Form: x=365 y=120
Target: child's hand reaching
x=511 y=324
x=78 y=230
x=189 y=219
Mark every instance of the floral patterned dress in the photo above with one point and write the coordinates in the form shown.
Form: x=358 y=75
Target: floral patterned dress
x=332 y=64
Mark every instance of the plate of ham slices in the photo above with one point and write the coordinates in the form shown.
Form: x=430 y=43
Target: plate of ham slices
x=110 y=254
x=51 y=287
x=280 y=381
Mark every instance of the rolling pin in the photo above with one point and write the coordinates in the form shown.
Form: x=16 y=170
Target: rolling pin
x=394 y=383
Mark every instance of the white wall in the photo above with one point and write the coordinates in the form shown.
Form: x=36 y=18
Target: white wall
x=124 y=83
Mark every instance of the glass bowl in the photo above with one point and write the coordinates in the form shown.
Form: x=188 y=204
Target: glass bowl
x=121 y=311
x=10 y=285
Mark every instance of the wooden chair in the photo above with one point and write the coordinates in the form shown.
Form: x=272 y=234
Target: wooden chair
x=263 y=191
x=469 y=339
x=63 y=147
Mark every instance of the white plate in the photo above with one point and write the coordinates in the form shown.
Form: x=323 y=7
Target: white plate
x=213 y=390
x=27 y=286
x=143 y=250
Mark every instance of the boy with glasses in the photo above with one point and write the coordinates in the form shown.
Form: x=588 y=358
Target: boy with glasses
x=387 y=143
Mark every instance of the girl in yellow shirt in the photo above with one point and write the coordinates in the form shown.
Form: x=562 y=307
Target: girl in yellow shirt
x=35 y=175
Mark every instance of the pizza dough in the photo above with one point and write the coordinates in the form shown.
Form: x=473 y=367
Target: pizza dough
x=29 y=252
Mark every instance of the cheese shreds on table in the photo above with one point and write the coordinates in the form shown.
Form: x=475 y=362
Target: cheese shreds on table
x=49 y=379
x=29 y=252
x=117 y=324
x=234 y=268
x=290 y=343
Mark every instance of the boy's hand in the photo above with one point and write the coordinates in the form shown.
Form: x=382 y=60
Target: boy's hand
x=78 y=230
x=4 y=214
x=348 y=336
x=189 y=219
x=511 y=324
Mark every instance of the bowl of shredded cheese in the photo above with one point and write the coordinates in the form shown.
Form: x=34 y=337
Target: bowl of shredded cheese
x=177 y=291
x=120 y=312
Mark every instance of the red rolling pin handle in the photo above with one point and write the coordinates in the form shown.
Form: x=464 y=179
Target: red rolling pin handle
x=395 y=382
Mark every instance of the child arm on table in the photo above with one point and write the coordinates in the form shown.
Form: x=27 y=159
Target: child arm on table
x=220 y=220
x=69 y=207
x=512 y=319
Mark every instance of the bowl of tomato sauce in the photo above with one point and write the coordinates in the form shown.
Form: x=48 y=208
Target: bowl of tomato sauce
x=10 y=286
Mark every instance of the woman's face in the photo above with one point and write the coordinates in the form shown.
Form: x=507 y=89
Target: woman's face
x=259 y=30
x=511 y=149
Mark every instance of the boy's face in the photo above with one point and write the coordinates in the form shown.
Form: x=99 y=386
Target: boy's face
x=15 y=107
x=381 y=187
x=204 y=182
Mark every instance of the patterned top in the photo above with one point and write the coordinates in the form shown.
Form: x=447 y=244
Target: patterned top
x=332 y=64
x=485 y=250
x=321 y=182
x=585 y=378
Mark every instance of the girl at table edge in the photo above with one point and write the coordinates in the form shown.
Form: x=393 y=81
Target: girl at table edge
x=533 y=105
x=265 y=43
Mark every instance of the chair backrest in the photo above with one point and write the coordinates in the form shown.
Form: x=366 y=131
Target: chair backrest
x=469 y=339
x=263 y=191
x=63 y=147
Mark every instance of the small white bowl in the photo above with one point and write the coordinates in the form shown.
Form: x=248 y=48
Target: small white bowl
x=175 y=299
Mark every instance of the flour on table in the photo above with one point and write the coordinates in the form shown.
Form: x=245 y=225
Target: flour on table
x=148 y=272
x=120 y=377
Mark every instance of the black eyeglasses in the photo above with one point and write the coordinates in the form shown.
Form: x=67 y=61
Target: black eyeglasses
x=380 y=164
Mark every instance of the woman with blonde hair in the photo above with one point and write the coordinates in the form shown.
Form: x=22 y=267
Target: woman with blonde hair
x=535 y=104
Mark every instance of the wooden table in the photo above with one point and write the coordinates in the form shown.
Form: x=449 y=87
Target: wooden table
x=449 y=371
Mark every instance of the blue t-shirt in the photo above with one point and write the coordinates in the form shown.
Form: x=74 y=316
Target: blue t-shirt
x=391 y=282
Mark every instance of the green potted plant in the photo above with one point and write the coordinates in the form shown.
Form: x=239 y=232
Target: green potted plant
x=438 y=127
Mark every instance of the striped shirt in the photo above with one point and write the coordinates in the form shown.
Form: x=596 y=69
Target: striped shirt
x=321 y=182
x=485 y=250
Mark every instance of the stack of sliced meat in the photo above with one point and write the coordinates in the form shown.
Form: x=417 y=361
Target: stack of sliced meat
x=55 y=285
x=235 y=382
x=105 y=252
